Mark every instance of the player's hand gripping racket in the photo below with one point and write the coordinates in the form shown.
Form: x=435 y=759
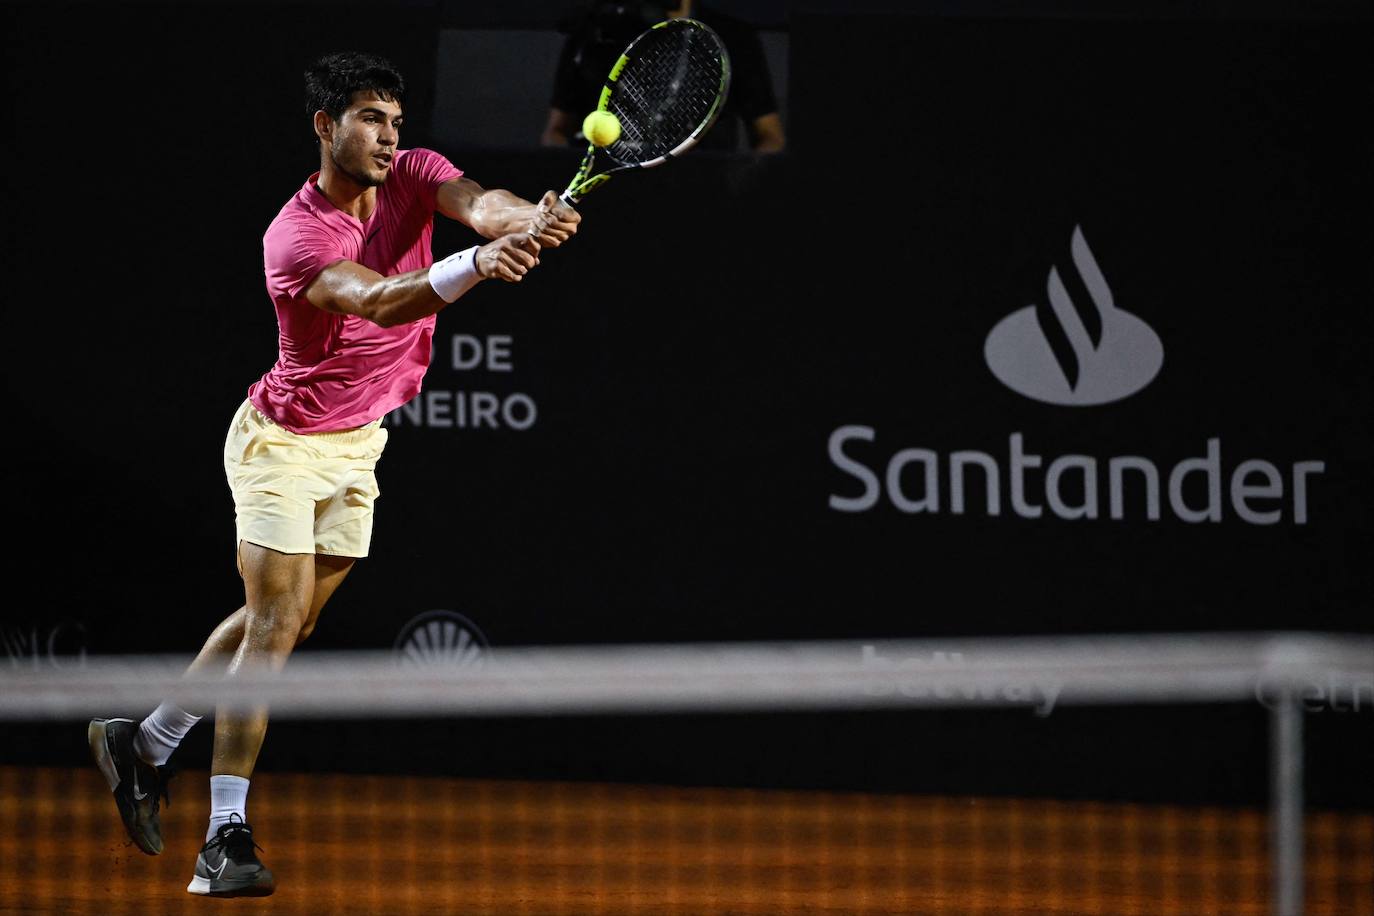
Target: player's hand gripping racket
x=666 y=90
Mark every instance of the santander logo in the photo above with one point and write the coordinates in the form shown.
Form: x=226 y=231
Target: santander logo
x=1082 y=353
x=1114 y=359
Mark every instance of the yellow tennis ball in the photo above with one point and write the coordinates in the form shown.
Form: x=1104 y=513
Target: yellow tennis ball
x=601 y=128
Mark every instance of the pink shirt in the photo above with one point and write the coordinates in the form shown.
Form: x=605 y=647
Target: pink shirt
x=340 y=371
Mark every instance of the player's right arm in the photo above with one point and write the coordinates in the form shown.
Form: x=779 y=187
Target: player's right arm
x=348 y=288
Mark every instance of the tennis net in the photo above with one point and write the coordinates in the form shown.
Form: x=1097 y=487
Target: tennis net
x=722 y=778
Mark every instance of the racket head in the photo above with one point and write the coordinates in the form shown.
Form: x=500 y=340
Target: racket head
x=666 y=90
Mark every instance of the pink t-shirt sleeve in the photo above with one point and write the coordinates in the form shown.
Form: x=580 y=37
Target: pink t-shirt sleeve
x=425 y=170
x=294 y=253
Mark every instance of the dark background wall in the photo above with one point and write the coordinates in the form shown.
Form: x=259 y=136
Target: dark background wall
x=692 y=355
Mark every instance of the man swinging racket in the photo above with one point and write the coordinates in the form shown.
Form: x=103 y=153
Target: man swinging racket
x=356 y=289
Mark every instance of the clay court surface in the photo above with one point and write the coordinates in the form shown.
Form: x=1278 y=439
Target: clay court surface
x=398 y=845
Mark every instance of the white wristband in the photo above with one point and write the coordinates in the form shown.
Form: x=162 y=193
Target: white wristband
x=455 y=274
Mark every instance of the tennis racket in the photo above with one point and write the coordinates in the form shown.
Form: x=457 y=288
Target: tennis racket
x=666 y=90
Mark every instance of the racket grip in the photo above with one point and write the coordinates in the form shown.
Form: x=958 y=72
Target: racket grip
x=567 y=198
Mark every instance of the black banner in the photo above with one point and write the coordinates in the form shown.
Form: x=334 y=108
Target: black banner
x=1042 y=324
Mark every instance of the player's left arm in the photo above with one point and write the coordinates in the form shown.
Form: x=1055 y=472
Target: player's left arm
x=493 y=212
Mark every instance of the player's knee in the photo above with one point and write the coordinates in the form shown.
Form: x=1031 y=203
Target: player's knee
x=283 y=618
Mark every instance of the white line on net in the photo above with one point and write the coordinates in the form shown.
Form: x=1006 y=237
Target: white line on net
x=849 y=674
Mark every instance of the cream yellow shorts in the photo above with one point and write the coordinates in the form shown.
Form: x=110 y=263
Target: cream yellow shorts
x=303 y=493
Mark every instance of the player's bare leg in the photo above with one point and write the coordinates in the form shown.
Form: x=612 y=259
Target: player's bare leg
x=224 y=642
x=279 y=591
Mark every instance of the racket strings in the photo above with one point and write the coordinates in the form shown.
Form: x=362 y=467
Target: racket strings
x=666 y=92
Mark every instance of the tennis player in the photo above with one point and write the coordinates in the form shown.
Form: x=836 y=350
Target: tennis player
x=356 y=290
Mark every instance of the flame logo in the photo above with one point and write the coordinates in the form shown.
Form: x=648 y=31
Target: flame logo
x=1072 y=356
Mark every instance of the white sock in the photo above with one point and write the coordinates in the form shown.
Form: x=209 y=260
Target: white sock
x=228 y=795
x=160 y=733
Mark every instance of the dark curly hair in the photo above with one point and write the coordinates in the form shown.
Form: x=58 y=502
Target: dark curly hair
x=331 y=81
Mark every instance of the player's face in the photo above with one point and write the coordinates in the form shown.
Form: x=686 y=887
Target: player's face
x=364 y=141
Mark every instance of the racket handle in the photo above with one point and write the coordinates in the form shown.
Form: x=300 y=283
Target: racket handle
x=567 y=198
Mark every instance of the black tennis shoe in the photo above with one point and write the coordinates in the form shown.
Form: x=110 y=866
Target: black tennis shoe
x=135 y=783
x=228 y=866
